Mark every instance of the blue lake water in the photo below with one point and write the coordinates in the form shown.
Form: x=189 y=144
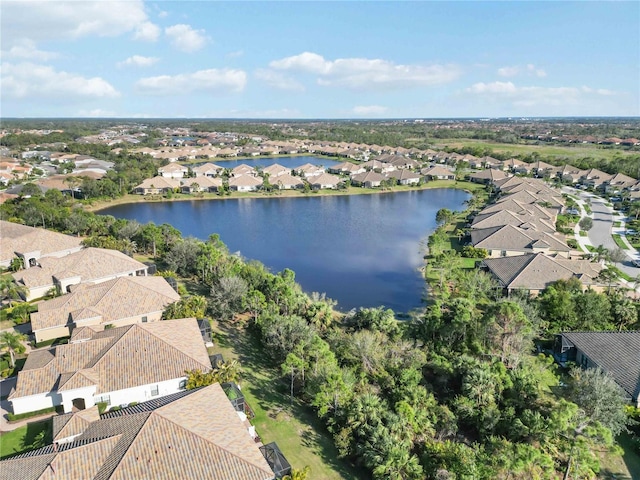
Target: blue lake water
x=361 y=250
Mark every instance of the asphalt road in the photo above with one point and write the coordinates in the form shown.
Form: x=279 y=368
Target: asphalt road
x=600 y=233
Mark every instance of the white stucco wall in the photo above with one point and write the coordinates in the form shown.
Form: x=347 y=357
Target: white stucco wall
x=138 y=394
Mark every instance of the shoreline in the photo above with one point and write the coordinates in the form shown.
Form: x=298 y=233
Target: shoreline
x=98 y=206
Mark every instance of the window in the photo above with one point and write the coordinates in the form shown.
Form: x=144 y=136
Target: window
x=182 y=385
x=103 y=399
x=144 y=319
x=155 y=391
x=503 y=253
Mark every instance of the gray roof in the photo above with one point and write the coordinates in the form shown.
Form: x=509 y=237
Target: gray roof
x=617 y=353
x=535 y=272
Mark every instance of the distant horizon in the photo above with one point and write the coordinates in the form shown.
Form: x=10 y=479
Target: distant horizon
x=340 y=60
x=346 y=119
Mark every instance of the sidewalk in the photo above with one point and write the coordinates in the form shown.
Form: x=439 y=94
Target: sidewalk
x=585 y=242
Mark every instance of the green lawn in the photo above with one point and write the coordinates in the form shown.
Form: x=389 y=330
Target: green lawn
x=618 y=240
x=559 y=151
x=621 y=467
x=295 y=428
x=25 y=438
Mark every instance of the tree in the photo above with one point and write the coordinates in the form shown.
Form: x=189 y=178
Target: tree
x=228 y=296
x=293 y=366
x=444 y=216
x=192 y=306
x=586 y=223
x=298 y=474
x=599 y=397
x=12 y=342
x=10 y=290
x=616 y=255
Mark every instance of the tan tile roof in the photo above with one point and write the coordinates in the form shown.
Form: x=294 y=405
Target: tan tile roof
x=287 y=179
x=325 y=179
x=196 y=436
x=73 y=424
x=141 y=354
x=158 y=182
x=21 y=238
x=190 y=439
x=509 y=237
x=245 y=181
x=525 y=219
x=90 y=264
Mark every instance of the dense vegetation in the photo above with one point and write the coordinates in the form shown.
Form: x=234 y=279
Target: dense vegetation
x=457 y=392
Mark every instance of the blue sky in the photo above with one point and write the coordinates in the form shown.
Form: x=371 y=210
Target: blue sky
x=319 y=59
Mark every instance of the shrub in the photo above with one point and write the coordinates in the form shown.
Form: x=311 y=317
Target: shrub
x=102 y=406
x=21 y=416
x=473 y=252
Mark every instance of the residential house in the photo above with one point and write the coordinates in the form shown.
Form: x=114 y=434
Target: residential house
x=404 y=162
x=173 y=170
x=32 y=244
x=378 y=166
x=157 y=186
x=347 y=168
x=535 y=272
x=509 y=240
x=208 y=170
x=368 y=179
x=191 y=434
x=618 y=182
x=616 y=353
x=287 y=182
x=404 y=177
x=89 y=265
x=118 y=302
x=275 y=170
x=116 y=366
x=438 y=173
x=326 y=180
x=243 y=169
x=488 y=176
x=309 y=170
x=245 y=183
x=594 y=178
x=541 y=169
x=524 y=220
x=201 y=184
x=518 y=166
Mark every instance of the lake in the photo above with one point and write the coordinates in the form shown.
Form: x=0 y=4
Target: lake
x=361 y=250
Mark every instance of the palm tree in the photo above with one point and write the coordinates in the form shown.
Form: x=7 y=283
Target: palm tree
x=298 y=474
x=10 y=290
x=12 y=342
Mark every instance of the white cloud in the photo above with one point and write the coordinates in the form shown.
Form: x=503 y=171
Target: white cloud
x=530 y=96
x=369 y=110
x=185 y=38
x=278 y=80
x=147 y=31
x=359 y=73
x=236 y=54
x=49 y=20
x=96 y=113
x=28 y=80
x=529 y=69
x=208 y=81
x=163 y=14
x=138 y=61
x=27 y=49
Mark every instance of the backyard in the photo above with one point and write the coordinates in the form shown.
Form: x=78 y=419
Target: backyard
x=293 y=426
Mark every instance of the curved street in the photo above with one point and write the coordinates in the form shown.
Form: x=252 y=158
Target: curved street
x=600 y=234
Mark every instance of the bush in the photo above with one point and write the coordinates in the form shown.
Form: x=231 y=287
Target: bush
x=21 y=416
x=102 y=406
x=473 y=252
x=586 y=223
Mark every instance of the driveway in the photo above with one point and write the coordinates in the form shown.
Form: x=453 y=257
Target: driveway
x=600 y=233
